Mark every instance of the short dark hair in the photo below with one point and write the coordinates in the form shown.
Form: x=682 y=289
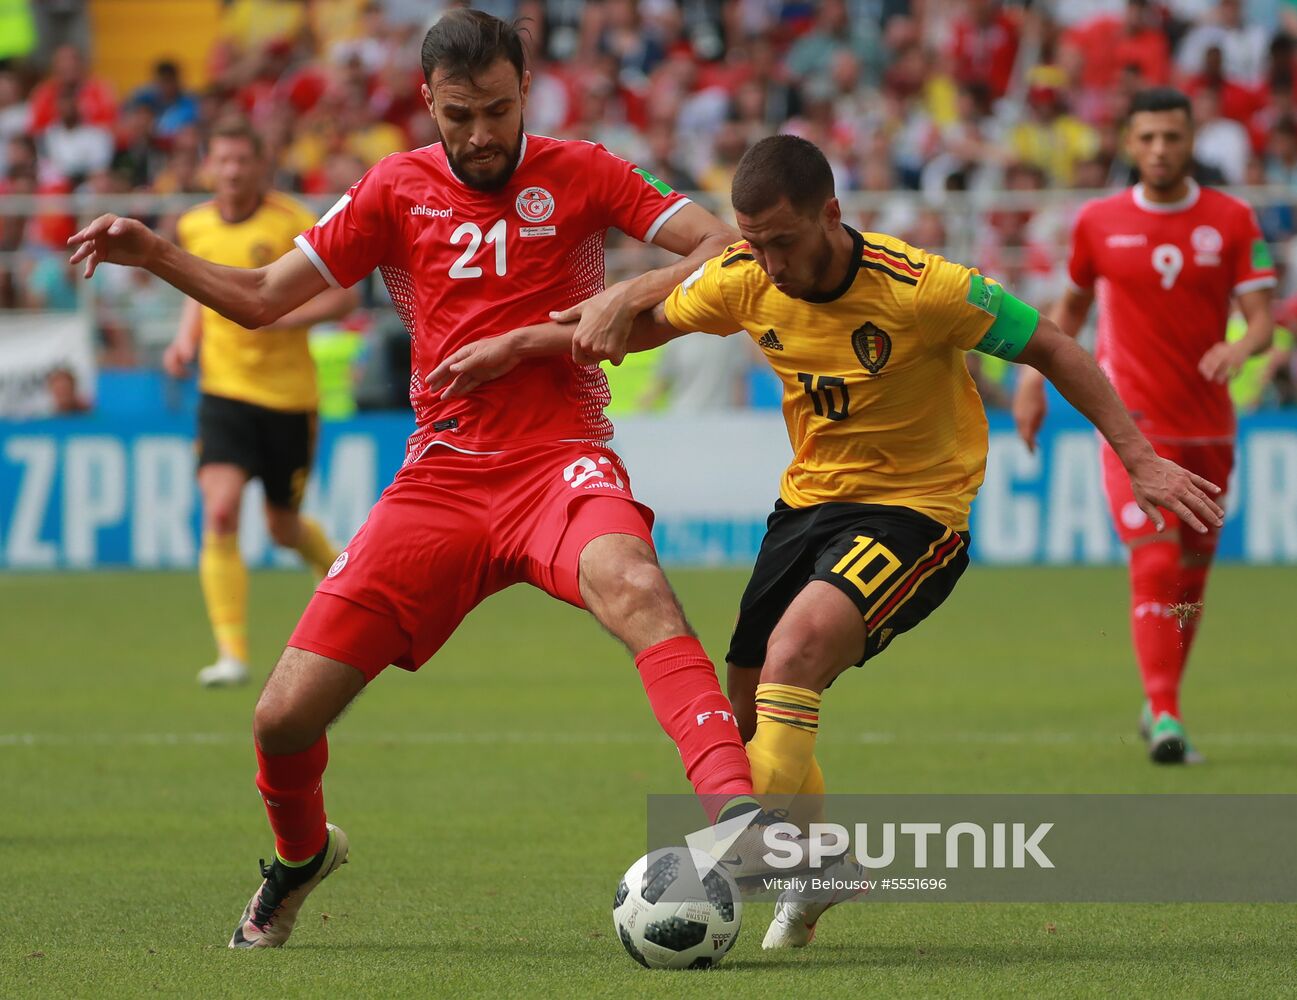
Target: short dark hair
x=1159 y=99
x=236 y=128
x=781 y=166
x=467 y=42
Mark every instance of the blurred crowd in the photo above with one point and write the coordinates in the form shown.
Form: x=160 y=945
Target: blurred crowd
x=920 y=106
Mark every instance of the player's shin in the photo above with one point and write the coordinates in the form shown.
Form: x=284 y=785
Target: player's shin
x=686 y=696
x=783 y=749
x=291 y=789
x=1155 y=627
x=224 y=579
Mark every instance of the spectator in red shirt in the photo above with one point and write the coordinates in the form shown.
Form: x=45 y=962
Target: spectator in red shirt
x=983 y=45
x=67 y=70
x=1106 y=44
x=1236 y=101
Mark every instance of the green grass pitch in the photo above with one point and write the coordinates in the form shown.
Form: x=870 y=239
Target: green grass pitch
x=493 y=799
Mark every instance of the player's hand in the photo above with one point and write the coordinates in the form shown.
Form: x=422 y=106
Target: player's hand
x=111 y=239
x=473 y=364
x=1029 y=409
x=1222 y=361
x=178 y=356
x=1159 y=482
x=603 y=327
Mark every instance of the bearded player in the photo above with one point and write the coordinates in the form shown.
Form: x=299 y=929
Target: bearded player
x=870 y=532
x=488 y=230
x=1166 y=259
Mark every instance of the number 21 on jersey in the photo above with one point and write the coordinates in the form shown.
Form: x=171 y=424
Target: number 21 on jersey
x=470 y=232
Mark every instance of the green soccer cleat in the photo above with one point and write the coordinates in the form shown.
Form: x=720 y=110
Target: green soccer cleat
x=1192 y=755
x=270 y=915
x=1167 y=742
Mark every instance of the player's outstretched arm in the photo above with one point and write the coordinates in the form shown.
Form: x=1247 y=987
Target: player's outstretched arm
x=251 y=297
x=462 y=371
x=330 y=304
x=604 y=321
x=1155 y=481
x=1029 y=405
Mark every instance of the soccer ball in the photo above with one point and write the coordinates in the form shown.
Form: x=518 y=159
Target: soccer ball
x=667 y=918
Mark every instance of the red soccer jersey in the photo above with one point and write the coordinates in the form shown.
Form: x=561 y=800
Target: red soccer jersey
x=462 y=265
x=1165 y=275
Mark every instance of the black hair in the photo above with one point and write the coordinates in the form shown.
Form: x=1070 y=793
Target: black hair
x=782 y=166
x=1159 y=99
x=467 y=42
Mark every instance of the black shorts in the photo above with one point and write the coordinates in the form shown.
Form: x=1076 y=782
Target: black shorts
x=275 y=446
x=895 y=564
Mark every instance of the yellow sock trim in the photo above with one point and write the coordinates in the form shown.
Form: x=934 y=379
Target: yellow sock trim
x=783 y=748
x=225 y=590
x=314 y=546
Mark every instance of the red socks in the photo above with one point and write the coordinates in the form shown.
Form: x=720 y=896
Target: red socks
x=290 y=787
x=681 y=685
x=1162 y=637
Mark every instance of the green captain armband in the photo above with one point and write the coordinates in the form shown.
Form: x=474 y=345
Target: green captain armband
x=1015 y=321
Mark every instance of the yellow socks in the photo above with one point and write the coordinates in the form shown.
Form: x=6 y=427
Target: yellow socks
x=225 y=589
x=783 y=750
x=314 y=546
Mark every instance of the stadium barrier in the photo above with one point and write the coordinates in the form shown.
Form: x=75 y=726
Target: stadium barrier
x=100 y=491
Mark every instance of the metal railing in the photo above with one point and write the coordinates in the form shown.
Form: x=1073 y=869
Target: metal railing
x=966 y=221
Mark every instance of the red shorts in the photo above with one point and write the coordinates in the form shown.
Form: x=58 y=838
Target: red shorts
x=455 y=528
x=1213 y=461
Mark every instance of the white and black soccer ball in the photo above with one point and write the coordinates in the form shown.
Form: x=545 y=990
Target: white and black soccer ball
x=668 y=918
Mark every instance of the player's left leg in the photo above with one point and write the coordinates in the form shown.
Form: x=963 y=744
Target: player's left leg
x=623 y=586
x=878 y=573
x=288 y=448
x=1168 y=574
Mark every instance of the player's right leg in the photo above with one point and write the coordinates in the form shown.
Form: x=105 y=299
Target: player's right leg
x=406 y=579
x=305 y=693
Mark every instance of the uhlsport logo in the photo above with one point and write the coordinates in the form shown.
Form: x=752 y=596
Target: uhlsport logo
x=872 y=346
x=435 y=213
x=535 y=204
x=339 y=564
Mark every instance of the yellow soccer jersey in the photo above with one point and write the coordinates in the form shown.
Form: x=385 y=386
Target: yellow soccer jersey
x=271 y=368
x=878 y=401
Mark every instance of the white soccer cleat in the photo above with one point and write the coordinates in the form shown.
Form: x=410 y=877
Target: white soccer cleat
x=271 y=913
x=225 y=672
x=798 y=913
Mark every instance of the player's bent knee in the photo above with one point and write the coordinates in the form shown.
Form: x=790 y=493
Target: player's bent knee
x=800 y=662
x=281 y=727
x=221 y=518
x=304 y=694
